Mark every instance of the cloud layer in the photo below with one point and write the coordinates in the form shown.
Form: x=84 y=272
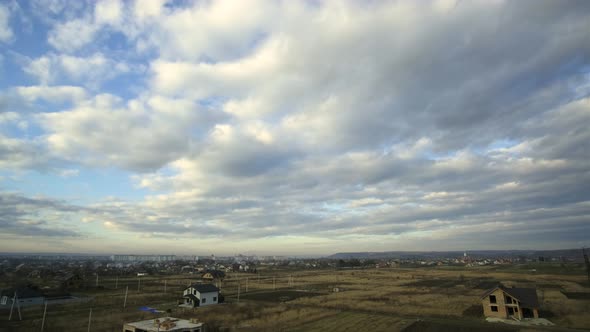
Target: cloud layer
x=323 y=125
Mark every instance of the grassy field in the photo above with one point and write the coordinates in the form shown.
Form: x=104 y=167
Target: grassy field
x=366 y=300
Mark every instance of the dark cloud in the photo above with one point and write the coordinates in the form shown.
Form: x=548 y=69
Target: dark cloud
x=392 y=121
x=23 y=216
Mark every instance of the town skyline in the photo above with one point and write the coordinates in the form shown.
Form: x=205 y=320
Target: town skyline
x=295 y=128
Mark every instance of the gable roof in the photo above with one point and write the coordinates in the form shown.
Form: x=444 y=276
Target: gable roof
x=214 y=273
x=526 y=296
x=204 y=288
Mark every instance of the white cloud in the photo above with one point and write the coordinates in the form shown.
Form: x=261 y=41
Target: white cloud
x=90 y=70
x=6 y=34
x=143 y=135
x=72 y=35
x=108 y=11
x=54 y=94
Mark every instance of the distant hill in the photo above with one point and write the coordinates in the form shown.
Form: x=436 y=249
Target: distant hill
x=566 y=253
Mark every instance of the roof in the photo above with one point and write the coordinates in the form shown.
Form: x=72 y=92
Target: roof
x=526 y=296
x=22 y=292
x=204 y=288
x=178 y=324
x=214 y=273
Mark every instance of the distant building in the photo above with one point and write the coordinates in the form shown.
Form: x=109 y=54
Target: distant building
x=199 y=295
x=26 y=297
x=211 y=275
x=169 y=324
x=502 y=302
x=71 y=280
x=143 y=258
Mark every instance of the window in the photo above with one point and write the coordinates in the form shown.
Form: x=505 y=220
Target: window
x=508 y=299
x=515 y=309
x=204 y=300
x=492 y=298
x=495 y=308
x=214 y=298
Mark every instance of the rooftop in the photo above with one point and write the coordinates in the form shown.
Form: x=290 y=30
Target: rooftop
x=204 y=288
x=165 y=324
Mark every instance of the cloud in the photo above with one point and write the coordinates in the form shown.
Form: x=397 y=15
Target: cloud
x=72 y=35
x=22 y=216
x=6 y=34
x=144 y=134
x=52 y=68
x=378 y=124
x=21 y=154
x=53 y=94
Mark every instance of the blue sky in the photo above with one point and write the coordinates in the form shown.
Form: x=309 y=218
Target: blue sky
x=283 y=127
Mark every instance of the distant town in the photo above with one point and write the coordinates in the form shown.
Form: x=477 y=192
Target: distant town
x=56 y=292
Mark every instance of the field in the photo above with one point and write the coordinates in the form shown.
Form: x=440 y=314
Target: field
x=409 y=299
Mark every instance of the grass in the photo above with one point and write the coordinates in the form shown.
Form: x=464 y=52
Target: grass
x=278 y=296
x=373 y=299
x=349 y=321
x=435 y=326
x=577 y=295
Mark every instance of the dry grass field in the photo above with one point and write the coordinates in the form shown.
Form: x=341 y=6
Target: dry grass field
x=419 y=299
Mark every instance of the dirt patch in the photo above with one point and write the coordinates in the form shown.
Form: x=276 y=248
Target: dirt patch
x=475 y=310
x=486 y=284
x=429 y=326
x=279 y=296
x=549 y=286
x=440 y=283
x=577 y=295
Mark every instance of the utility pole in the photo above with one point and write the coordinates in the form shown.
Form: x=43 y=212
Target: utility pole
x=164 y=286
x=15 y=300
x=587 y=263
x=89 y=319
x=12 y=306
x=126 y=291
x=44 y=312
x=238 y=291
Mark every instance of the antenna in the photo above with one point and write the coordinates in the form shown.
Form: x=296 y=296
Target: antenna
x=587 y=263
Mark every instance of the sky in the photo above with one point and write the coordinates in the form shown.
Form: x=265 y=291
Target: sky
x=293 y=127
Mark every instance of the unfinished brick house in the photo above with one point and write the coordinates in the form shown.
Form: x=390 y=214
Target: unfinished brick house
x=503 y=302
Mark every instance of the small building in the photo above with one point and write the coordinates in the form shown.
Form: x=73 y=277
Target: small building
x=169 y=324
x=503 y=302
x=72 y=280
x=199 y=295
x=26 y=296
x=211 y=275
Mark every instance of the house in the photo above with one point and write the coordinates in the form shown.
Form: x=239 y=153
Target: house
x=503 y=302
x=72 y=280
x=169 y=324
x=211 y=275
x=198 y=295
x=26 y=296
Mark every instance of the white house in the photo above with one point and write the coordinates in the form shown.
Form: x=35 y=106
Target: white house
x=198 y=295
